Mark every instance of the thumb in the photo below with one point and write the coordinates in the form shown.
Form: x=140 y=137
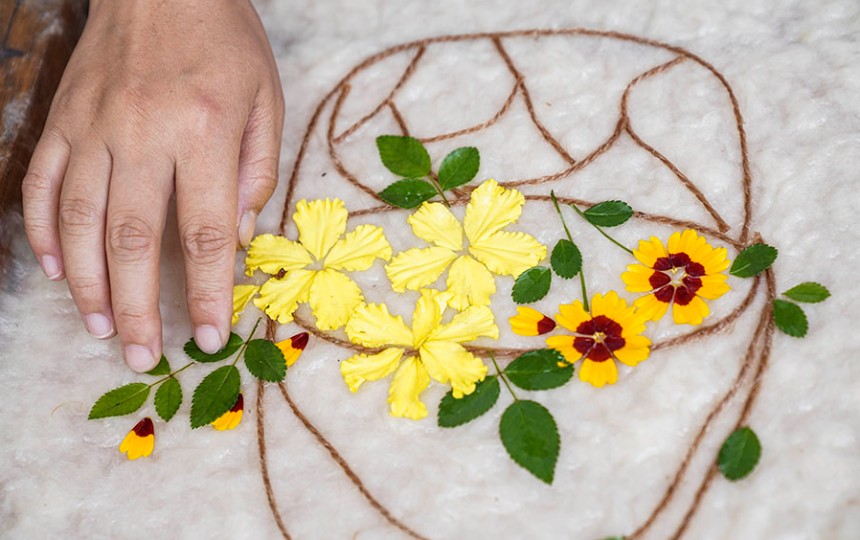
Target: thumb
x=258 y=165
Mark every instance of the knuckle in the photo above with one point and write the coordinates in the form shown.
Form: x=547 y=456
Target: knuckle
x=78 y=214
x=131 y=239
x=86 y=288
x=134 y=317
x=206 y=111
x=206 y=243
x=36 y=186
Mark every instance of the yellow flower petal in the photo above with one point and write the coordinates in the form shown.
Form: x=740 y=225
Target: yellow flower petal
x=293 y=347
x=231 y=418
x=530 y=322
x=564 y=345
x=467 y=325
x=242 y=294
x=598 y=373
x=570 y=316
x=490 y=209
x=320 y=224
x=637 y=278
x=449 y=362
x=435 y=224
x=714 y=260
x=358 y=249
x=279 y=298
x=508 y=253
x=271 y=254
x=427 y=315
x=470 y=283
x=369 y=367
x=649 y=251
x=416 y=268
x=693 y=313
x=403 y=395
x=140 y=441
x=372 y=325
x=649 y=307
x=332 y=297
x=713 y=287
x=632 y=355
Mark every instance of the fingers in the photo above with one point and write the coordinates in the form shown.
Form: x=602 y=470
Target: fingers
x=83 y=201
x=41 y=196
x=258 y=164
x=137 y=203
x=206 y=198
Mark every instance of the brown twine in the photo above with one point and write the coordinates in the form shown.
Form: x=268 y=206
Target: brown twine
x=264 y=463
x=341 y=90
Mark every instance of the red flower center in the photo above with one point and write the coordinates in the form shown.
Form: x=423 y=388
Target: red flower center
x=600 y=336
x=669 y=285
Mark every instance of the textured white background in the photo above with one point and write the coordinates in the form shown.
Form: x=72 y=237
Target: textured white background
x=794 y=67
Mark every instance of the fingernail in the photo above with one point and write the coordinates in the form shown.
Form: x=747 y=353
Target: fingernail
x=51 y=267
x=98 y=325
x=207 y=338
x=139 y=358
x=246 y=227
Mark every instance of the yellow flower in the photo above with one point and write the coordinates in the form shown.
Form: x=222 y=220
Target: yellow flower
x=231 y=418
x=682 y=276
x=242 y=295
x=140 y=440
x=314 y=266
x=612 y=331
x=491 y=250
x=435 y=350
x=530 y=322
x=293 y=347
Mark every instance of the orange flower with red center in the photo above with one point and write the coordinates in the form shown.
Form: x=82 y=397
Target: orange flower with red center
x=140 y=441
x=681 y=274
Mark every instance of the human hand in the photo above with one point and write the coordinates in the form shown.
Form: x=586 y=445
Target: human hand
x=158 y=97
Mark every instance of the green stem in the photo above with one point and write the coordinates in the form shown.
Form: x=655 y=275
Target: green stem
x=245 y=345
x=569 y=237
x=502 y=377
x=435 y=183
x=172 y=374
x=601 y=231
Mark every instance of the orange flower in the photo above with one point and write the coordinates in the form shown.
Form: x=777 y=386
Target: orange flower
x=231 y=418
x=530 y=322
x=140 y=440
x=293 y=347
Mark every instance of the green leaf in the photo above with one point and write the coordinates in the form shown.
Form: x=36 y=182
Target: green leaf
x=809 y=292
x=739 y=454
x=609 y=213
x=539 y=370
x=459 y=167
x=531 y=285
x=531 y=438
x=455 y=412
x=753 y=260
x=120 y=401
x=162 y=368
x=789 y=318
x=407 y=193
x=233 y=344
x=215 y=395
x=265 y=360
x=168 y=398
x=404 y=156
x=566 y=260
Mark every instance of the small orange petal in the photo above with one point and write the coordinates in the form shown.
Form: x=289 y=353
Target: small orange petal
x=293 y=347
x=530 y=322
x=140 y=441
x=231 y=418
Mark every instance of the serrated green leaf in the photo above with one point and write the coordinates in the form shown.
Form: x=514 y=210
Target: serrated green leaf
x=455 y=412
x=530 y=435
x=459 y=167
x=609 y=213
x=531 y=285
x=739 y=454
x=193 y=351
x=809 y=292
x=539 y=370
x=168 y=398
x=162 y=368
x=265 y=360
x=215 y=395
x=404 y=156
x=407 y=193
x=120 y=401
x=753 y=260
x=566 y=259
x=790 y=318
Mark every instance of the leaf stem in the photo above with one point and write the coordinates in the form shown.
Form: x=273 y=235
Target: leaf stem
x=601 y=231
x=569 y=237
x=501 y=375
x=172 y=374
x=435 y=183
x=245 y=345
